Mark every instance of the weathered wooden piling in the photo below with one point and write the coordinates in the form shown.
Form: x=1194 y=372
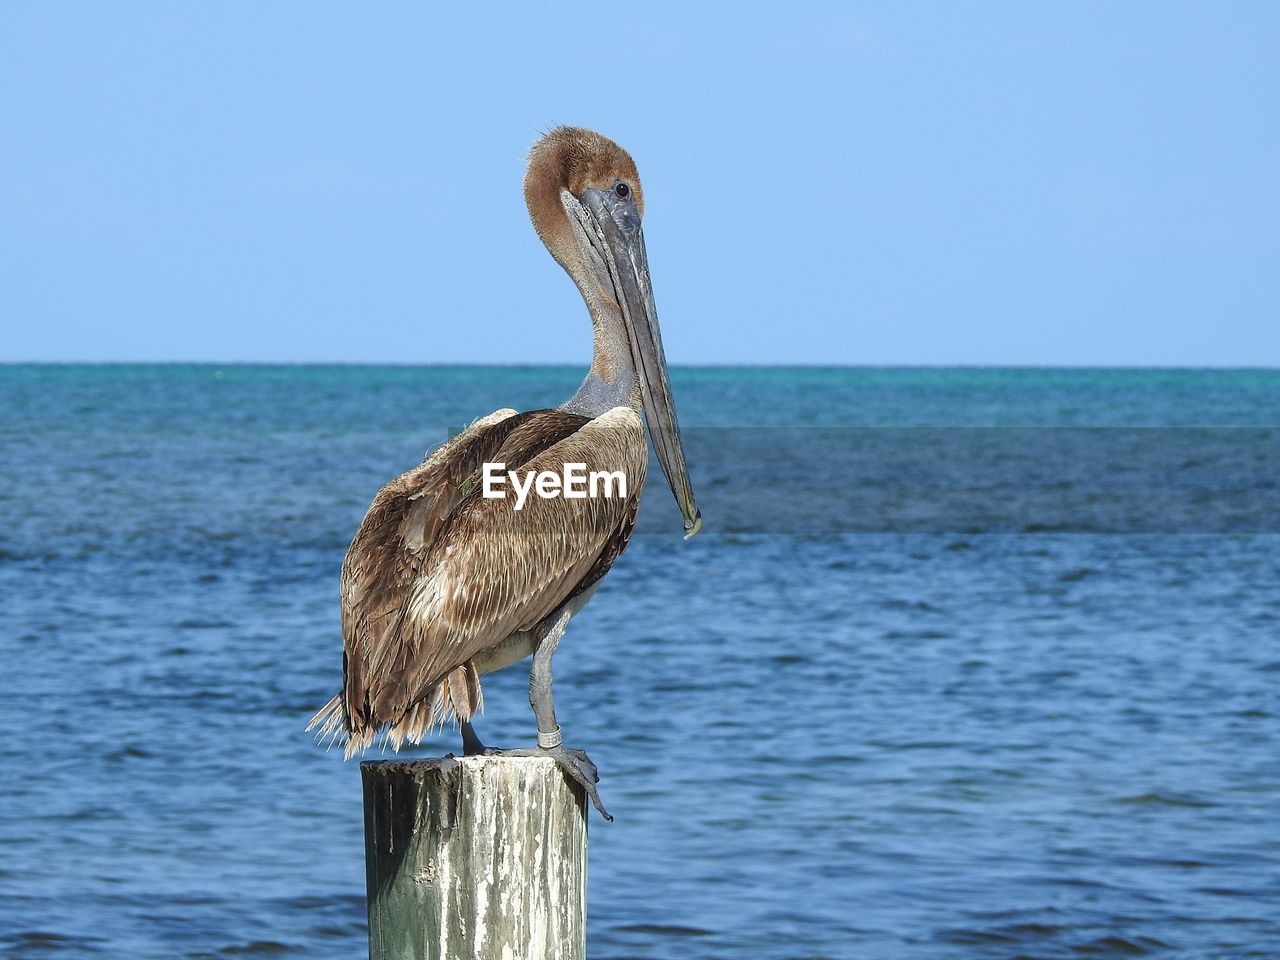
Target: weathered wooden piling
x=475 y=858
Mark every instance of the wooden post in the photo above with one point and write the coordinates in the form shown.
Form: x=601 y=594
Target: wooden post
x=475 y=858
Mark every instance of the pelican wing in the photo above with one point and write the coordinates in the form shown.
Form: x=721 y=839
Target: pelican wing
x=403 y=520
x=437 y=573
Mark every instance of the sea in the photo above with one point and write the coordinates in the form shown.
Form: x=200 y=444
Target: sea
x=966 y=663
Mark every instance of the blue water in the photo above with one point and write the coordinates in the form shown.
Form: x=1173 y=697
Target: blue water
x=948 y=744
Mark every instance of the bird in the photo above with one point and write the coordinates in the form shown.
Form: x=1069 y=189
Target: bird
x=446 y=581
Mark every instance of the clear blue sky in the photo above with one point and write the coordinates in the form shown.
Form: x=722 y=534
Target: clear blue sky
x=989 y=183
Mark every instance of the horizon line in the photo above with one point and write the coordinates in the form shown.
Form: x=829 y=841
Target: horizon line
x=801 y=365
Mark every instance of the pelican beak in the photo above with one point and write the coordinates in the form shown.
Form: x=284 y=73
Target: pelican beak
x=619 y=241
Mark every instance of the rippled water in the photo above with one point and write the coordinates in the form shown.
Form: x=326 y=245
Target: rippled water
x=855 y=745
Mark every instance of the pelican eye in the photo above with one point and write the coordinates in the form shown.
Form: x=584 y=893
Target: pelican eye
x=622 y=190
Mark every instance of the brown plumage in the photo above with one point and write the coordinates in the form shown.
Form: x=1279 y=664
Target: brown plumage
x=437 y=574
x=441 y=584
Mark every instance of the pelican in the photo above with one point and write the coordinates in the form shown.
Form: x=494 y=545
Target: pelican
x=443 y=583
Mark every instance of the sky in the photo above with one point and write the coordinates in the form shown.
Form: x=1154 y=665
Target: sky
x=837 y=183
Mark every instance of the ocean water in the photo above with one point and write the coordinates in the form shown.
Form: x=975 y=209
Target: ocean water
x=1038 y=721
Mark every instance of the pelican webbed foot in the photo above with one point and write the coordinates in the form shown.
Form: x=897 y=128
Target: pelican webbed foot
x=575 y=763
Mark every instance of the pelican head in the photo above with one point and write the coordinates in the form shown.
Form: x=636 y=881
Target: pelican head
x=586 y=203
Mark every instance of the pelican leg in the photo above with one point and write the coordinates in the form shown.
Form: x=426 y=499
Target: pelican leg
x=573 y=762
x=540 y=698
x=471 y=745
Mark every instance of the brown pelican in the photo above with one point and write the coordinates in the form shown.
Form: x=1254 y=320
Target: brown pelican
x=443 y=584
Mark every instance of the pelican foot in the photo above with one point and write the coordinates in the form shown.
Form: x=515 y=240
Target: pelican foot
x=575 y=763
x=579 y=767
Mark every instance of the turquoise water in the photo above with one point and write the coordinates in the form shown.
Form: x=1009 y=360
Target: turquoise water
x=978 y=736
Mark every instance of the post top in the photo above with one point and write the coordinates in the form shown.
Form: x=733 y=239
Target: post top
x=419 y=767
